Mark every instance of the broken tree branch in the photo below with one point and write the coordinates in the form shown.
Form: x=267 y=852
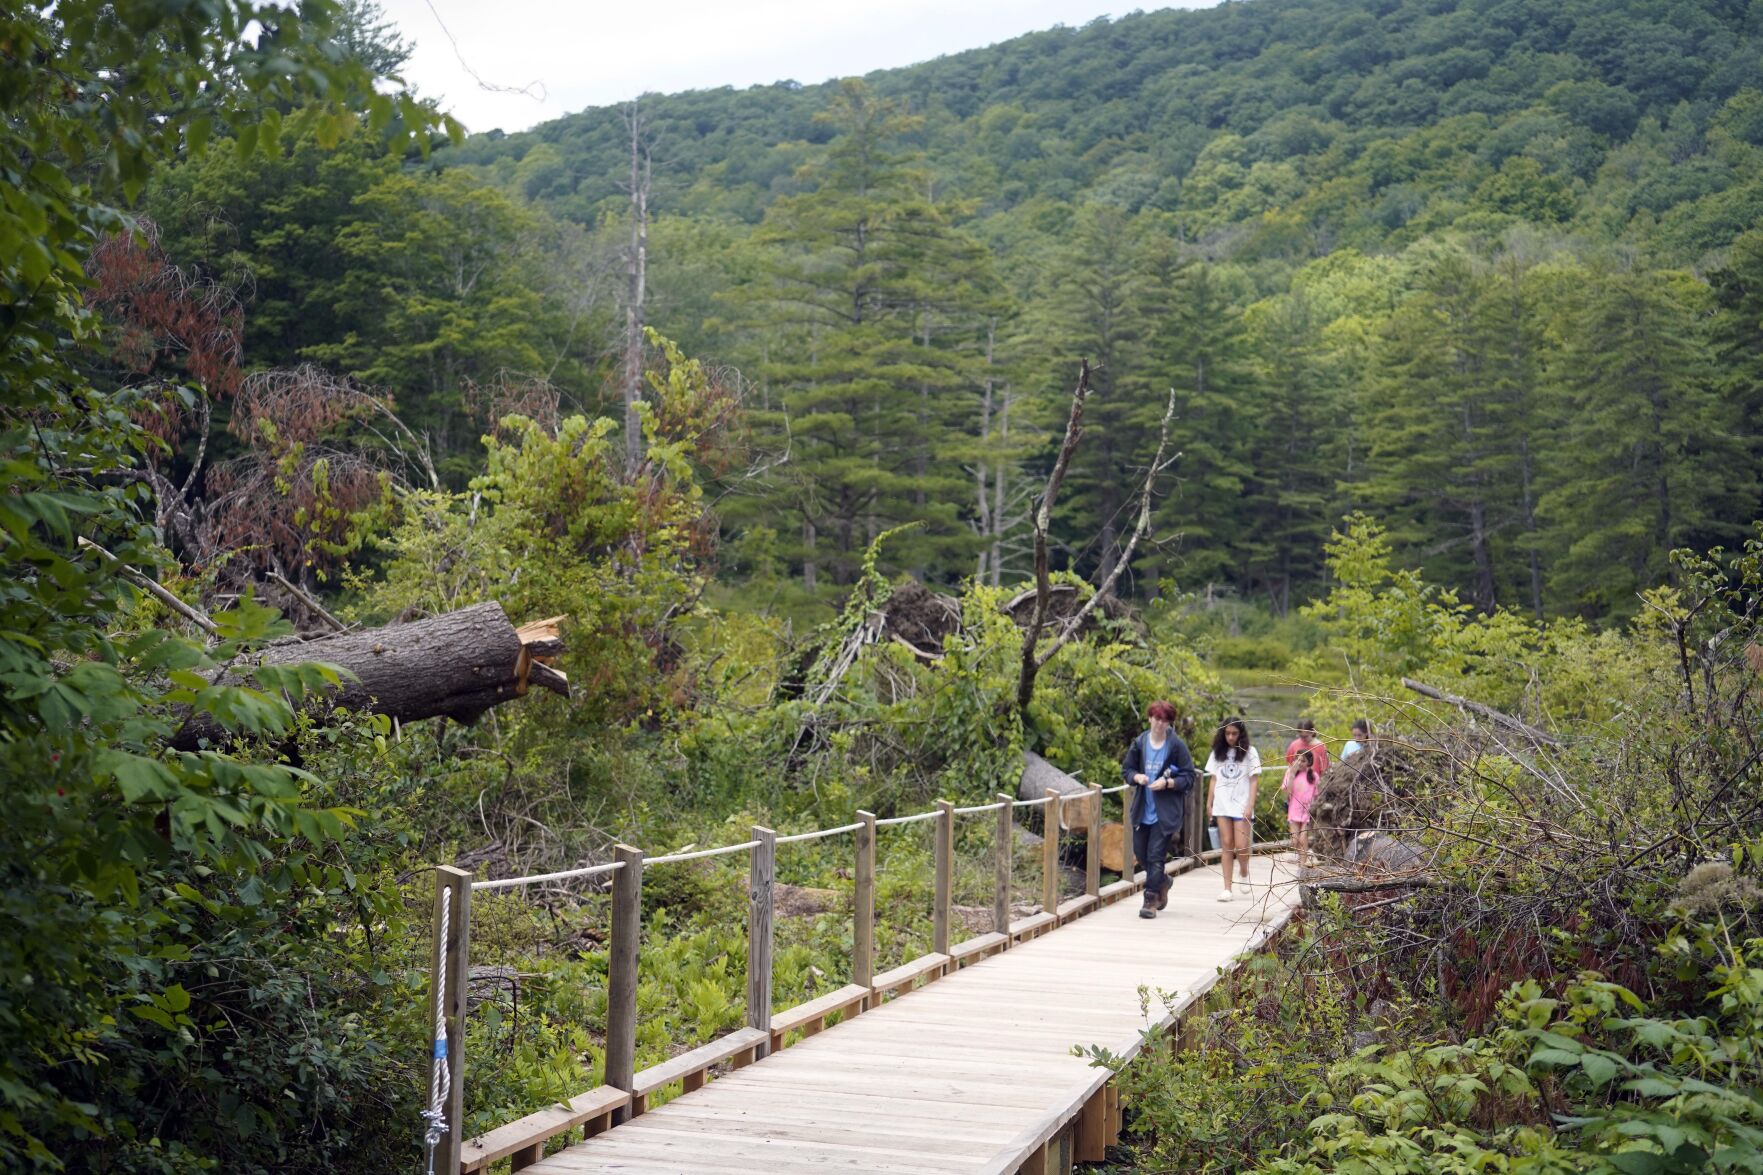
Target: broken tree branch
x=157 y=591
x=1488 y=712
x=458 y=664
x=306 y=597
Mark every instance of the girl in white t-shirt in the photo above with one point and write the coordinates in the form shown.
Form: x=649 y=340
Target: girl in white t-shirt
x=1232 y=771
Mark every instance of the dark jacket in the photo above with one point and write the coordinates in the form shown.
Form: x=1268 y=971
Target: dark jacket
x=1171 y=801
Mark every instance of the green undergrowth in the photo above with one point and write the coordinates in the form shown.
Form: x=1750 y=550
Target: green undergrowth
x=1295 y=1072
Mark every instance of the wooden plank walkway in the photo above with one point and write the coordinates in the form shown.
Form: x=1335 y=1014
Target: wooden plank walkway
x=972 y=1073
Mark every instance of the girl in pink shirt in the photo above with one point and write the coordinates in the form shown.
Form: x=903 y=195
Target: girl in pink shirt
x=1307 y=741
x=1300 y=787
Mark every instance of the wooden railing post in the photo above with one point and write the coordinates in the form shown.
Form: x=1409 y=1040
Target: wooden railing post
x=1126 y=831
x=1093 y=847
x=760 y=876
x=1196 y=828
x=1003 y=848
x=621 y=976
x=1050 y=852
x=945 y=883
x=452 y=975
x=863 y=905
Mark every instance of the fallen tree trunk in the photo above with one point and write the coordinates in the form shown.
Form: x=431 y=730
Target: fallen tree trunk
x=458 y=665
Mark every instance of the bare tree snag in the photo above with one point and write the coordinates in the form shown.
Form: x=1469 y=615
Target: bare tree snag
x=1034 y=658
x=1510 y=723
x=458 y=665
x=1043 y=520
x=636 y=279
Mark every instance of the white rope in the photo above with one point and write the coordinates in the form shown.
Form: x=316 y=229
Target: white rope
x=678 y=857
x=980 y=808
x=510 y=882
x=1109 y=791
x=1034 y=803
x=440 y=1076
x=893 y=820
x=797 y=838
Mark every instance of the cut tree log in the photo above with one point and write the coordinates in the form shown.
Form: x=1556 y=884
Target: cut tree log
x=1114 y=847
x=1038 y=775
x=458 y=665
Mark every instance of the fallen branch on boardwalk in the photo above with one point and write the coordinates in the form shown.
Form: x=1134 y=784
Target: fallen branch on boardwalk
x=455 y=665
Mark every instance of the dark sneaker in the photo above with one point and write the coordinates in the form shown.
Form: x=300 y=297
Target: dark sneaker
x=1147 y=911
x=1163 y=896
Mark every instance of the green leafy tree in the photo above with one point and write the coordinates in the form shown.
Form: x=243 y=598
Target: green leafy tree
x=438 y=295
x=115 y=848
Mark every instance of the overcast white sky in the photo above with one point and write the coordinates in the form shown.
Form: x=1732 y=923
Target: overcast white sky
x=570 y=55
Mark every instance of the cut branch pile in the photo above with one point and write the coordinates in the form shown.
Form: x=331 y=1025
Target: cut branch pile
x=1358 y=799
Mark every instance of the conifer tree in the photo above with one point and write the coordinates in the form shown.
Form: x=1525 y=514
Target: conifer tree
x=1649 y=458
x=874 y=304
x=1737 y=341
x=1201 y=349
x=1285 y=509
x=1440 y=449
x=1509 y=337
x=1096 y=307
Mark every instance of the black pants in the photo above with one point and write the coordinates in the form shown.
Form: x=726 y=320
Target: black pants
x=1150 y=848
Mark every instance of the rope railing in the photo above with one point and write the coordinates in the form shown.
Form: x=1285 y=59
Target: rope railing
x=536 y=878
x=798 y=838
x=700 y=854
x=445 y=1110
x=896 y=821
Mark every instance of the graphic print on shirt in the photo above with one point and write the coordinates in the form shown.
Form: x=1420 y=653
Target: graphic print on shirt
x=1235 y=780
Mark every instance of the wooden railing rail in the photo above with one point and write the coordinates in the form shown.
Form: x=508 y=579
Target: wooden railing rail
x=627 y=1092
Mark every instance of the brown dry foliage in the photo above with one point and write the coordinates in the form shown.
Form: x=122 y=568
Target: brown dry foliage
x=167 y=324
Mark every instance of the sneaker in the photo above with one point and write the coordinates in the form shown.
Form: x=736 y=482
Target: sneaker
x=1163 y=896
x=1147 y=911
x=1225 y=896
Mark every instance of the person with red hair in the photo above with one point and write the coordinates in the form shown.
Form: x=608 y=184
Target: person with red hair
x=1159 y=764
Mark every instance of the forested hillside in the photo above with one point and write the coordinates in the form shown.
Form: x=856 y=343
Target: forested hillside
x=1485 y=268
x=1447 y=318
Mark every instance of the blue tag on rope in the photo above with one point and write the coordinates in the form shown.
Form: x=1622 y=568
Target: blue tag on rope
x=440 y=1048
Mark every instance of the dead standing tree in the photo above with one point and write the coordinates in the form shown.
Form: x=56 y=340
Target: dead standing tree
x=1035 y=658
x=636 y=277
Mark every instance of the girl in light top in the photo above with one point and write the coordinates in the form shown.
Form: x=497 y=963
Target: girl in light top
x=1361 y=736
x=1233 y=769
x=1300 y=785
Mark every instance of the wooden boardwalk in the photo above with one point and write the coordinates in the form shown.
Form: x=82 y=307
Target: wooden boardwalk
x=972 y=1073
